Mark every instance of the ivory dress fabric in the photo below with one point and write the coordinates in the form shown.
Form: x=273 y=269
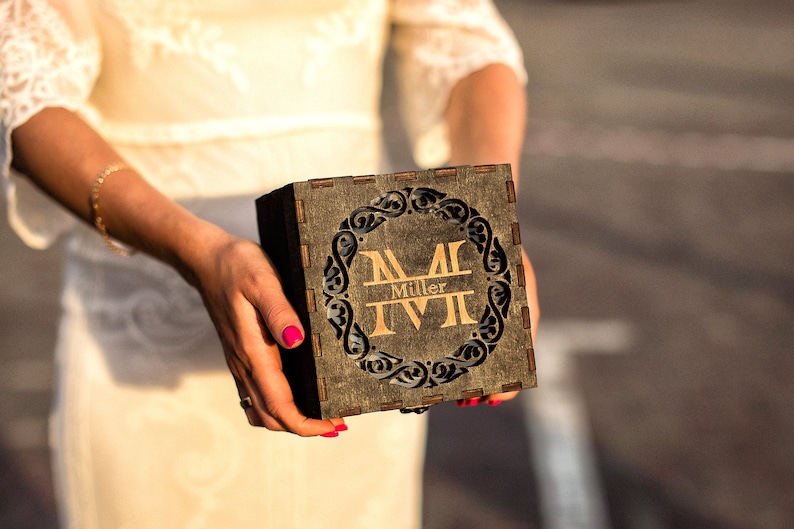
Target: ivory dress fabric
x=217 y=102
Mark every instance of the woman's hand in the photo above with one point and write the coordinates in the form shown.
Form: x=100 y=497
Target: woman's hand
x=486 y=117
x=244 y=297
x=240 y=288
x=534 y=316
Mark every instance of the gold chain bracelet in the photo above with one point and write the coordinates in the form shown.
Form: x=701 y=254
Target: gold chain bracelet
x=98 y=221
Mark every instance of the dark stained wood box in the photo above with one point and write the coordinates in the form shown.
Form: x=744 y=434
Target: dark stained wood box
x=409 y=285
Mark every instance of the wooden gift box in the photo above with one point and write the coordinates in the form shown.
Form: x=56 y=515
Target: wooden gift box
x=409 y=286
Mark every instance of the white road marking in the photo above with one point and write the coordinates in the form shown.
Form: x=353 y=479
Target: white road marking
x=730 y=152
x=571 y=495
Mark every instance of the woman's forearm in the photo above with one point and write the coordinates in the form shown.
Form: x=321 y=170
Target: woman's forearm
x=238 y=283
x=486 y=117
x=62 y=155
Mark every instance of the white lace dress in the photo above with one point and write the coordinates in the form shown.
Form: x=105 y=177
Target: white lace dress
x=217 y=102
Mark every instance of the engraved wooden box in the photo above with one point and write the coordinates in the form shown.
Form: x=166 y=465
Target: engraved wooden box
x=409 y=285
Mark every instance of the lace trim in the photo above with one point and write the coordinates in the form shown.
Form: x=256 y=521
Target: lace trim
x=231 y=129
x=42 y=60
x=43 y=65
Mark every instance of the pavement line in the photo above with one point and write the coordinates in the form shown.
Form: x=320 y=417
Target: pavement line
x=571 y=496
x=626 y=144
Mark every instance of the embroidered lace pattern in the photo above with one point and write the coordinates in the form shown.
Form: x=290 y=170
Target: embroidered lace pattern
x=36 y=40
x=43 y=63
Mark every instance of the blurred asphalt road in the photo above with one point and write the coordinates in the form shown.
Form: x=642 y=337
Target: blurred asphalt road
x=657 y=196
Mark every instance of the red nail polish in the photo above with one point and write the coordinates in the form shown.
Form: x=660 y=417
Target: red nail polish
x=292 y=335
x=494 y=403
x=341 y=428
x=460 y=403
x=330 y=434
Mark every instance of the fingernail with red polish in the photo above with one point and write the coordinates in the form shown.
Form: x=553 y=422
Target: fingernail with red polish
x=494 y=403
x=292 y=335
x=341 y=428
x=330 y=434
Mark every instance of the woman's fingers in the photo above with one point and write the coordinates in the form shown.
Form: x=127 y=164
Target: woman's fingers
x=249 y=405
x=266 y=294
x=532 y=293
x=277 y=405
x=494 y=399
x=274 y=408
x=244 y=296
x=534 y=313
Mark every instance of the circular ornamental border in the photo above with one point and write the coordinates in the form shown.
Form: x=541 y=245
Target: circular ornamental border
x=357 y=345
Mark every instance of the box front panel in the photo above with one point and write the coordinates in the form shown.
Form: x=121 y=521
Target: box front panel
x=417 y=288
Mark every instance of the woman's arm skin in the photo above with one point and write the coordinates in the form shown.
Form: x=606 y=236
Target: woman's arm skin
x=240 y=288
x=487 y=117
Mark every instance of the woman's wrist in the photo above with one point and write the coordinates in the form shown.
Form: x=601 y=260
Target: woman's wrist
x=193 y=248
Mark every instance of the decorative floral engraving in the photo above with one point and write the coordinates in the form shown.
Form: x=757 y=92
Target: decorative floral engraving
x=356 y=344
x=340 y=314
x=479 y=232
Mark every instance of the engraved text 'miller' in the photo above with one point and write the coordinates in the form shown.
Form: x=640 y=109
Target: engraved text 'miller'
x=413 y=293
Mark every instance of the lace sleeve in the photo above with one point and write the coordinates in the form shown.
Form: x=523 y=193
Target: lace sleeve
x=436 y=44
x=48 y=57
